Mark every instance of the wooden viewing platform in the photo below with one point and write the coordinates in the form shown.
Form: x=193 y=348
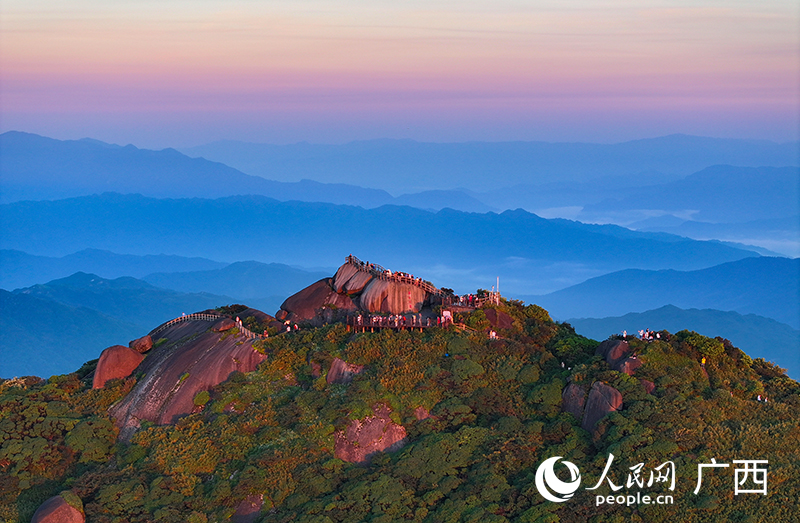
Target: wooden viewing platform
x=397 y=323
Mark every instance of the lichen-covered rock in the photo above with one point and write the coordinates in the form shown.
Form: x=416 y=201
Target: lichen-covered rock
x=573 y=400
x=362 y=438
x=350 y=280
x=115 y=362
x=64 y=508
x=142 y=345
x=602 y=400
x=342 y=372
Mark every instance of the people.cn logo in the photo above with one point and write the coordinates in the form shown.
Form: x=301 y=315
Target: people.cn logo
x=549 y=485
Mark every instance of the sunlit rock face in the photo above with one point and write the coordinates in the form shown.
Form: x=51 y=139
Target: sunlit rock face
x=194 y=357
x=115 y=362
x=363 y=438
x=353 y=288
x=392 y=297
x=142 y=345
x=308 y=303
x=350 y=280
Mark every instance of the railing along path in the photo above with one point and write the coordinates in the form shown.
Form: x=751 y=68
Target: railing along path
x=203 y=316
x=386 y=275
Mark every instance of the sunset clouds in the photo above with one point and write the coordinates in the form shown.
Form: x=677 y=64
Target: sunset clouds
x=183 y=72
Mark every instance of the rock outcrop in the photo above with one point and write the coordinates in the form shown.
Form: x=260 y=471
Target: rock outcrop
x=421 y=413
x=142 y=345
x=628 y=365
x=573 y=399
x=499 y=319
x=362 y=438
x=392 y=297
x=619 y=356
x=614 y=351
x=305 y=304
x=342 y=372
x=194 y=358
x=602 y=400
x=648 y=385
x=356 y=288
x=249 y=509
x=115 y=362
x=58 y=510
x=225 y=324
x=350 y=280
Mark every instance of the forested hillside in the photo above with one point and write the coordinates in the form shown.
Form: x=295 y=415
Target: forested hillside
x=479 y=415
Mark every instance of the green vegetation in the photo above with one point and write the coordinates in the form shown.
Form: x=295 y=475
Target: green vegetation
x=496 y=414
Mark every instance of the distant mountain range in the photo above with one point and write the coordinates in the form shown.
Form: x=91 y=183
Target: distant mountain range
x=758 y=336
x=529 y=253
x=37 y=168
x=128 y=299
x=656 y=183
x=780 y=235
x=54 y=327
x=716 y=194
x=68 y=321
x=244 y=280
x=765 y=286
x=263 y=286
x=42 y=337
x=20 y=269
x=404 y=166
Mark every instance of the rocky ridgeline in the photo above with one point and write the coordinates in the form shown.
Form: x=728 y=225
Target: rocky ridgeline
x=358 y=287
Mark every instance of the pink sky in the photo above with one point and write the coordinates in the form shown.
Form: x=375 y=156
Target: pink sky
x=181 y=73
